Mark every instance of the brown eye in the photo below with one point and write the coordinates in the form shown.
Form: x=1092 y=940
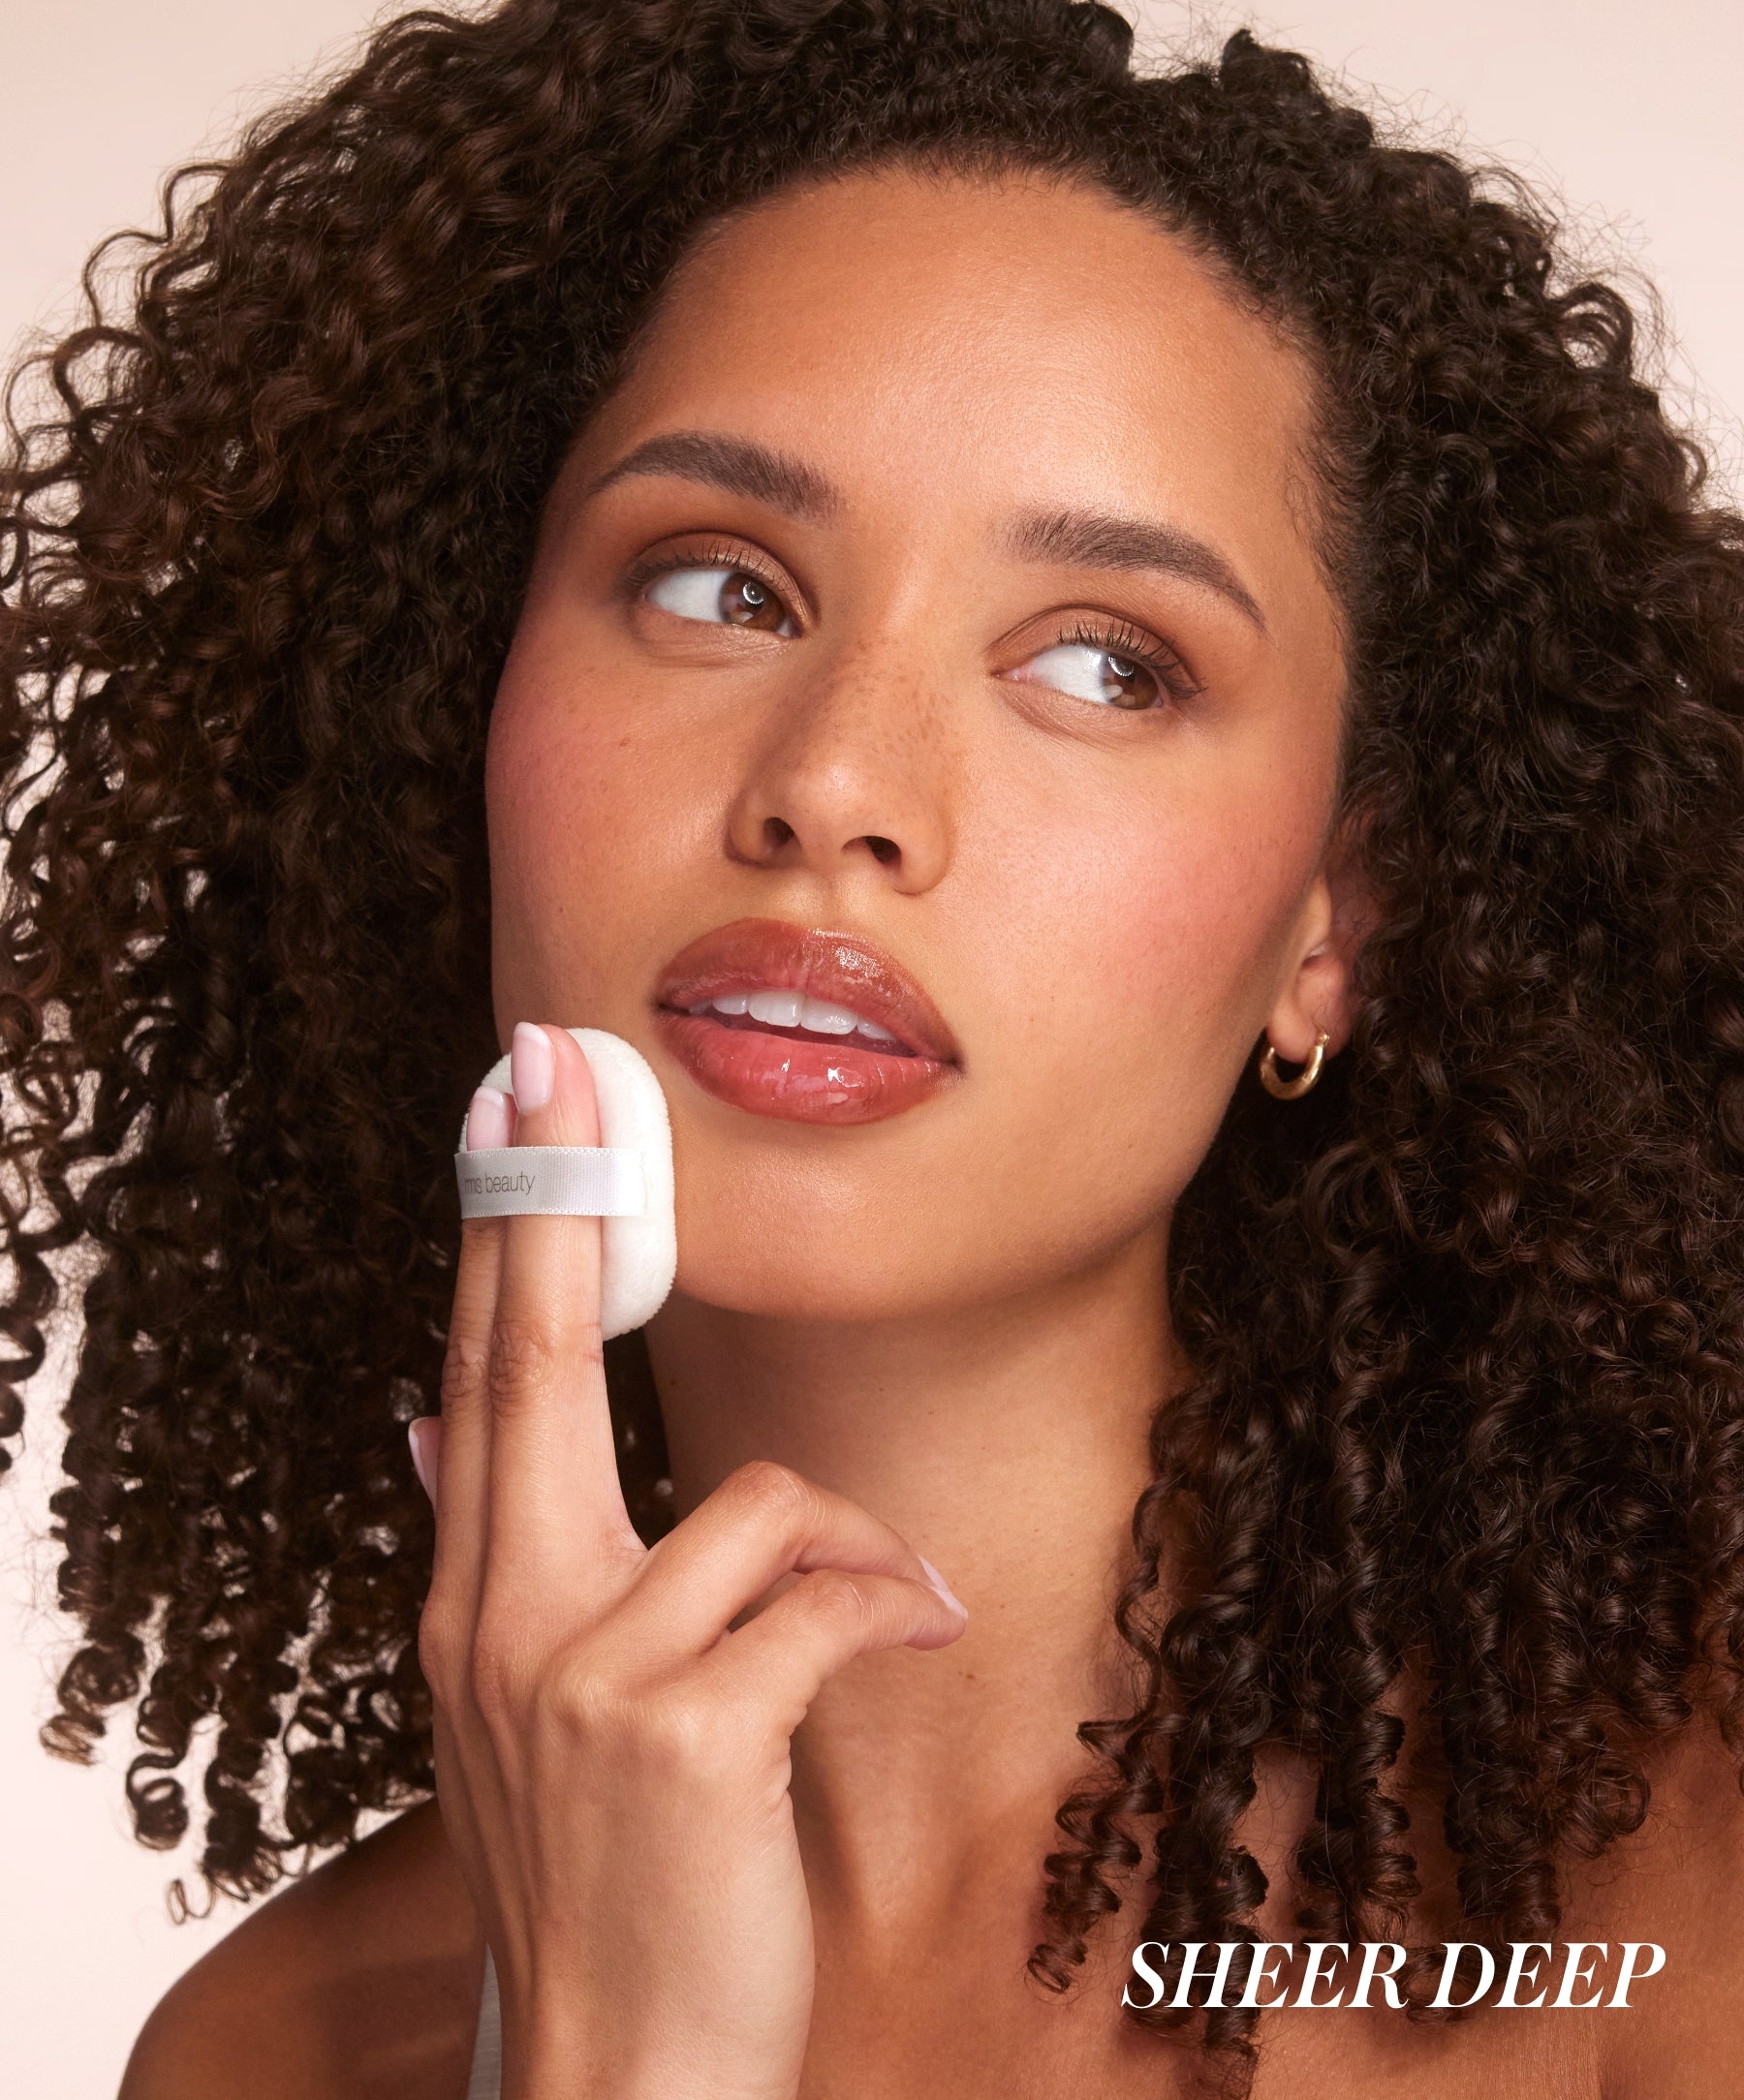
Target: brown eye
x=1090 y=673
x=722 y=597
x=1126 y=684
x=747 y=602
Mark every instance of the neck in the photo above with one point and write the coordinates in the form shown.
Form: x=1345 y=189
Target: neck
x=1009 y=1445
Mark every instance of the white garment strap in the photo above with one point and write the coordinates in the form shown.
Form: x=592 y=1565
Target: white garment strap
x=552 y=1181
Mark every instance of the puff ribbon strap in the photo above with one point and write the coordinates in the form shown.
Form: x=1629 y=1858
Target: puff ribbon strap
x=552 y=1181
x=626 y=1180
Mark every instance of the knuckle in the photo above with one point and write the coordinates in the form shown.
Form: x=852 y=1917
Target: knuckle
x=579 y=1697
x=585 y=1698
x=773 y=1494
x=838 y=1598
x=464 y=1365
x=681 y=1734
x=495 y=1671
x=521 y=1363
x=671 y=1732
x=437 y=1650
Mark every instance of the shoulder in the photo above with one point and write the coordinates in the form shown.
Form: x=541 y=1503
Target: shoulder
x=1677 y=1886
x=360 y=1980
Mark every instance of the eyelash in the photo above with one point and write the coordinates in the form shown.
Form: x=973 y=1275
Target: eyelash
x=1134 y=645
x=707 y=554
x=1118 y=639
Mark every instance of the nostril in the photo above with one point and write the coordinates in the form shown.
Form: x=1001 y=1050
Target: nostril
x=777 y=833
x=885 y=849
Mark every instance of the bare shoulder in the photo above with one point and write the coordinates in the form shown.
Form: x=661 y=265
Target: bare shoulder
x=1677 y=1886
x=359 y=1981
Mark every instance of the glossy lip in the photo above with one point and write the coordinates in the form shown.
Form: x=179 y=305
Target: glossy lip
x=842 y=968
x=774 y=1072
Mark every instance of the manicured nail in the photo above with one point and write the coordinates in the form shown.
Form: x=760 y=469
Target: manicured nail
x=488 y=1120
x=531 y=1066
x=943 y=1587
x=417 y=1434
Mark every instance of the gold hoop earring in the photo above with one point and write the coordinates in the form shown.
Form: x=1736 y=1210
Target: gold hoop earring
x=1292 y=1090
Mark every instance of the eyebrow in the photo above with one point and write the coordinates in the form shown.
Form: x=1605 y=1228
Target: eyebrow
x=740 y=466
x=1103 y=539
x=1074 y=539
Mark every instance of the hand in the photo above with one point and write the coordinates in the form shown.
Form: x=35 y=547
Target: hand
x=612 y=1755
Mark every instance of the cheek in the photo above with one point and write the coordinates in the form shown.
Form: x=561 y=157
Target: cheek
x=1164 y=917
x=1189 y=934
x=1141 y=957
x=587 y=810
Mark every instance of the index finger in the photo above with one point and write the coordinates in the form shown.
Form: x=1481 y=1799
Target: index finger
x=462 y=1474
x=555 y=1504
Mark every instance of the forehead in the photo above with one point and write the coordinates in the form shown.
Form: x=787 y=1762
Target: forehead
x=1014 y=338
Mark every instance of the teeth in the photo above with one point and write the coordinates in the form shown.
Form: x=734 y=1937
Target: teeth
x=775 y=1010
x=827 y=1020
x=793 y=1009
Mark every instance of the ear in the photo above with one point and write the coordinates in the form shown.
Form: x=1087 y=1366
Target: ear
x=1319 y=990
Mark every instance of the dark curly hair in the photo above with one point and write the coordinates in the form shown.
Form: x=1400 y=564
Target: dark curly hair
x=1466 y=1325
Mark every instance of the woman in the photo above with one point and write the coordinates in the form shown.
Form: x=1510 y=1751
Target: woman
x=1170 y=621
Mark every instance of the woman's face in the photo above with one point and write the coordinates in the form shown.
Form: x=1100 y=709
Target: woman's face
x=941 y=579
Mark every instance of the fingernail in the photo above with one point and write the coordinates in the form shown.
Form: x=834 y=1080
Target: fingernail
x=943 y=1587
x=420 y=1464
x=531 y=1066
x=488 y=1120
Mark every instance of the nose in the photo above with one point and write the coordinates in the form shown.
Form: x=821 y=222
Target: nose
x=852 y=777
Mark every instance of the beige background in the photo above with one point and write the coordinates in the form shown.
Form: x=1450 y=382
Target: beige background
x=1628 y=110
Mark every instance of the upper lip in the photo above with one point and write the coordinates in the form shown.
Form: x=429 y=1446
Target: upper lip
x=839 y=967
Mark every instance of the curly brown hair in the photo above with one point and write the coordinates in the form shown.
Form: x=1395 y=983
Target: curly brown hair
x=1466 y=1325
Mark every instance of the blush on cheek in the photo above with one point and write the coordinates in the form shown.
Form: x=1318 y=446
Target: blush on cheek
x=554 y=775
x=1188 y=932
x=547 y=808
x=599 y=817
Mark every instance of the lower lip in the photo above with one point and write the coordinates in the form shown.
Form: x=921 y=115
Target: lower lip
x=796 y=1079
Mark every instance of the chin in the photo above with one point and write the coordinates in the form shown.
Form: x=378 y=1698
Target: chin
x=822 y=1267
